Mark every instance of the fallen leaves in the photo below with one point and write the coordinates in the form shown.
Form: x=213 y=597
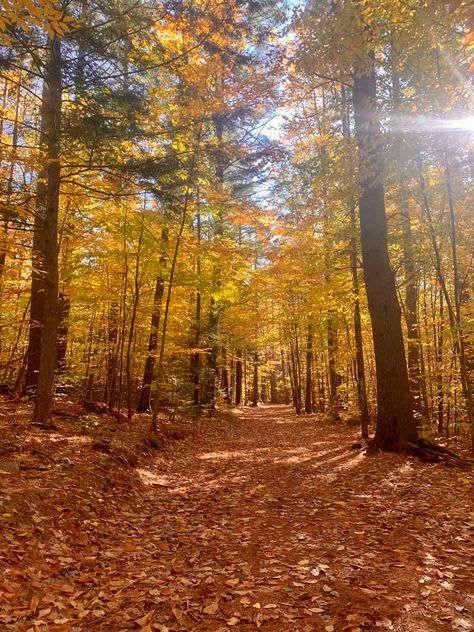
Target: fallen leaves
x=248 y=540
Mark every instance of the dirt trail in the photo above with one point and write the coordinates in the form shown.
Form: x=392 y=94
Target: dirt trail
x=263 y=520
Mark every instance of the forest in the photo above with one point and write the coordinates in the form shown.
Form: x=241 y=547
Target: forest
x=237 y=315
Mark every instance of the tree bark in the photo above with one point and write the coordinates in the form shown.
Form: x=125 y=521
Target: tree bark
x=238 y=378
x=254 y=401
x=63 y=330
x=309 y=371
x=396 y=427
x=51 y=113
x=144 y=403
x=360 y=367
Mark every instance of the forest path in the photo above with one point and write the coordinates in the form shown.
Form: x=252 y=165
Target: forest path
x=271 y=521
x=260 y=519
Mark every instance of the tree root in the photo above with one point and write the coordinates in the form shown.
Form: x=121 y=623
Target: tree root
x=428 y=452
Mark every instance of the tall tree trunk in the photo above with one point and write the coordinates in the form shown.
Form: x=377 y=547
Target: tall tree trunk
x=439 y=365
x=51 y=114
x=133 y=317
x=396 y=426
x=174 y=262
x=213 y=327
x=411 y=314
x=225 y=378
x=63 y=330
x=332 y=372
x=309 y=404
x=196 y=329
x=360 y=367
x=144 y=403
x=37 y=292
x=238 y=378
x=411 y=279
x=254 y=400
x=284 y=376
x=112 y=354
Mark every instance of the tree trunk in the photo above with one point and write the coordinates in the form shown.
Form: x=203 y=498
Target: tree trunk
x=439 y=365
x=133 y=317
x=112 y=354
x=309 y=371
x=63 y=330
x=238 y=378
x=254 y=401
x=332 y=375
x=225 y=378
x=51 y=114
x=273 y=388
x=360 y=367
x=144 y=403
x=396 y=426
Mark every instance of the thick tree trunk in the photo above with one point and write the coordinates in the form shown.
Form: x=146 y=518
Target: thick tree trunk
x=33 y=353
x=51 y=113
x=395 y=422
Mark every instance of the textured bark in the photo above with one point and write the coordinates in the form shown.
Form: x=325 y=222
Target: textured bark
x=51 y=114
x=396 y=427
x=33 y=353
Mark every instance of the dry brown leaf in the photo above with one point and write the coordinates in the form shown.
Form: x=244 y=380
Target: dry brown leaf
x=211 y=609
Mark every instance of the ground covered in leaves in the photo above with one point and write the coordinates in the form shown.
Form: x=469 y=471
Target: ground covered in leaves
x=258 y=519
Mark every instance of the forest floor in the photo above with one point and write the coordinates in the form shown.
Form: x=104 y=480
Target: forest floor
x=257 y=519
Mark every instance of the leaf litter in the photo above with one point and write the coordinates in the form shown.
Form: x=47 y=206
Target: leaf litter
x=257 y=520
